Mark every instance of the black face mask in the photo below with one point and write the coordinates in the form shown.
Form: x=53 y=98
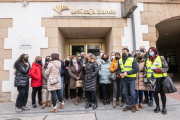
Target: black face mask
x=86 y=59
x=48 y=60
x=39 y=61
x=142 y=51
x=104 y=59
x=26 y=59
x=82 y=57
x=117 y=58
x=124 y=55
x=139 y=58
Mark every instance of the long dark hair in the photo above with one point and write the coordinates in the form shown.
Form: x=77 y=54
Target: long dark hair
x=54 y=56
x=45 y=65
x=20 y=59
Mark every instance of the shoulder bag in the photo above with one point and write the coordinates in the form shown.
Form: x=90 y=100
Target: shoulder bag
x=55 y=80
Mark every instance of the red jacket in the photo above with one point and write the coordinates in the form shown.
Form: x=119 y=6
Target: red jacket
x=36 y=74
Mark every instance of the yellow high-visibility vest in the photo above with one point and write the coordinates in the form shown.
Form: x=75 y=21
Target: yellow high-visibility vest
x=127 y=67
x=158 y=64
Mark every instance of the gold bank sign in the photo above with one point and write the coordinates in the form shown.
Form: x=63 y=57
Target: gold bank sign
x=83 y=12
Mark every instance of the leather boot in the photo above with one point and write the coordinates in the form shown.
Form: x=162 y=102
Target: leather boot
x=141 y=105
x=79 y=100
x=104 y=102
x=120 y=103
x=133 y=109
x=75 y=101
x=88 y=105
x=136 y=107
x=61 y=104
x=157 y=109
x=49 y=103
x=95 y=106
x=164 y=110
x=54 y=109
x=114 y=103
x=43 y=105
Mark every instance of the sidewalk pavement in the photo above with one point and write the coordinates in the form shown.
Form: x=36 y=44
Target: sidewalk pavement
x=103 y=112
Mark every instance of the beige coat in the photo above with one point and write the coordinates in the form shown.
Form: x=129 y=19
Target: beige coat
x=53 y=70
x=74 y=74
x=140 y=85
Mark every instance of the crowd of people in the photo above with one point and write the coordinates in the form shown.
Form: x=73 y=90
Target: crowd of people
x=132 y=79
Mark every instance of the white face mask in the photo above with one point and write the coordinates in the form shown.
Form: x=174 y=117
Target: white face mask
x=113 y=57
x=101 y=54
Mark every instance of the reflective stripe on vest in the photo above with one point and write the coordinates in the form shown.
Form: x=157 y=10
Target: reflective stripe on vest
x=127 y=67
x=158 y=64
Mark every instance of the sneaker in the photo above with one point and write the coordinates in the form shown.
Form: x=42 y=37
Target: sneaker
x=151 y=103
x=18 y=109
x=25 y=108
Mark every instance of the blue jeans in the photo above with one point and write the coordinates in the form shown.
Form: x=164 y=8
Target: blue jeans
x=139 y=94
x=62 y=83
x=150 y=95
x=129 y=87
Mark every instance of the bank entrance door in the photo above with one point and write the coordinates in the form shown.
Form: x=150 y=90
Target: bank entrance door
x=77 y=48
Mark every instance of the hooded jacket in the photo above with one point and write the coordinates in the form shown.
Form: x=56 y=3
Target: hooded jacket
x=36 y=74
x=53 y=70
x=114 y=65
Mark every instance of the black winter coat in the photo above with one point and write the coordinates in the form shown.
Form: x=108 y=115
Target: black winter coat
x=21 y=79
x=66 y=74
x=90 y=76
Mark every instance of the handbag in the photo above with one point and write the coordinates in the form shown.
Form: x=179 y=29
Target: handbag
x=79 y=83
x=54 y=81
x=113 y=76
x=168 y=86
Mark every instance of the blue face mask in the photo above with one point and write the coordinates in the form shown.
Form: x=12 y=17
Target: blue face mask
x=67 y=59
x=74 y=61
x=151 y=54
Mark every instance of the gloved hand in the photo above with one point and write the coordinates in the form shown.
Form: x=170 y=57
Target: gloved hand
x=115 y=70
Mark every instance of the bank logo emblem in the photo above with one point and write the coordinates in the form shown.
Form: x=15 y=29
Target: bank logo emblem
x=60 y=7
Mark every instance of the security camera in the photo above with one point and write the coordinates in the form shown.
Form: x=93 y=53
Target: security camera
x=24 y=4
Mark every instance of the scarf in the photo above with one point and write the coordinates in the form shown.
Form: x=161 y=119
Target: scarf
x=75 y=65
x=152 y=58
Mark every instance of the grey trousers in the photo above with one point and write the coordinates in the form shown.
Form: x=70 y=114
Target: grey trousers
x=117 y=87
x=46 y=95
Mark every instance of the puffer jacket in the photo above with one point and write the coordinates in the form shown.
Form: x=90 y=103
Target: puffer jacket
x=53 y=70
x=74 y=74
x=114 y=65
x=21 y=78
x=104 y=72
x=140 y=85
x=36 y=74
x=90 y=76
x=44 y=79
x=66 y=75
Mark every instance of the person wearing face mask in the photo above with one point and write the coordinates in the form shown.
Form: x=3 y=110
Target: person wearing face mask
x=112 y=56
x=21 y=81
x=98 y=58
x=36 y=81
x=79 y=56
x=127 y=69
x=136 y=52
x=156 y=69
x=90 y=69
x=46 y=95
x=104 y=79
x=140 y=85
x=75 y=72
x=117 y=84
x=67 y=78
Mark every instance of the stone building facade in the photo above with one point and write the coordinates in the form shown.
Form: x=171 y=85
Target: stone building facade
x=48 y=34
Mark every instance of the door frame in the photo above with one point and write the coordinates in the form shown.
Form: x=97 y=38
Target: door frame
x=85 y=44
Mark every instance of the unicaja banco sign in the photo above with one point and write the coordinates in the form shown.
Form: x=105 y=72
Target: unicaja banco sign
x=83 y=12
